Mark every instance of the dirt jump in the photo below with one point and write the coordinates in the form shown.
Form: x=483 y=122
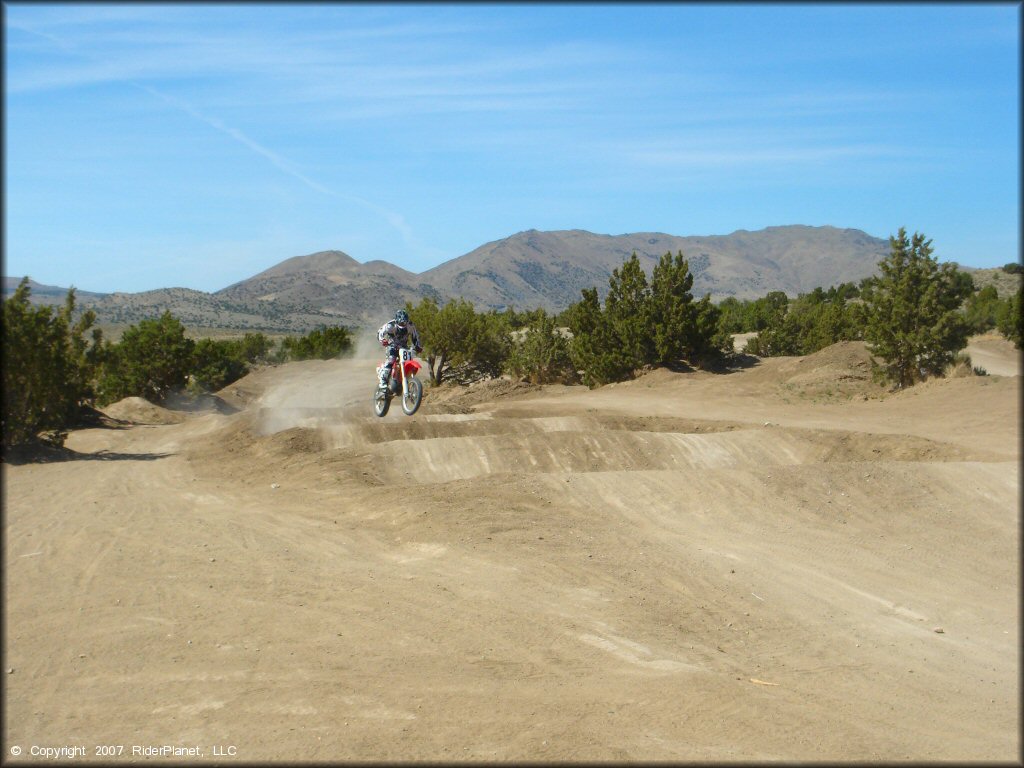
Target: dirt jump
x=785 y=562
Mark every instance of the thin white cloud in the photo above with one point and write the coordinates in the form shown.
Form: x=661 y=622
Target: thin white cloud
x=396 y=220
x=276 y=159
x=377 y=69
x=98 y=70
x=751 y=155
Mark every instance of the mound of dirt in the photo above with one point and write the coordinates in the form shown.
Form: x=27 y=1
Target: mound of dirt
x=138 y=410
x=841 y=371
x=461 y=399
x=200 y=403
x=836 y=446
x=297 y=440
x=247 y=389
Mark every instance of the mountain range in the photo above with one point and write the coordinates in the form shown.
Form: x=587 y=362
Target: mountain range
x=526 y=270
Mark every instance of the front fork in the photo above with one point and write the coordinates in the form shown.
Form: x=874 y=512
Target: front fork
x=401 y=372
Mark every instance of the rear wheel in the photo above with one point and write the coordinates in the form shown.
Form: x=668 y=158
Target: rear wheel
x=413 y=395
x=381 y=401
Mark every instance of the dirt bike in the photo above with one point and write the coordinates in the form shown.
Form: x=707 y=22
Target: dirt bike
x=402 y=380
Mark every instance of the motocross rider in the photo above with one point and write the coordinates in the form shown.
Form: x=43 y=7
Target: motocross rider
x=397 y=334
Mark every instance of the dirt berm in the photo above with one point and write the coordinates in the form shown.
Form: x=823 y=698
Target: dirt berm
x=781 y=563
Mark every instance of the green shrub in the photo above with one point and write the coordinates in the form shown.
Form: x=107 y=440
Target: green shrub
x=980 y=310
x=595 y=348
x=217 y=363
x=490 y=343
x=1009 y=320
x=47 y=367
x=913 y=320
x=542 y=355
x=643 y=325
x=152 y=360
x=460 y=343
x=324 y=343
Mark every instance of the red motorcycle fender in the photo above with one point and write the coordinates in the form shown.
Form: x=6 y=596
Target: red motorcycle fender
x=411 y=367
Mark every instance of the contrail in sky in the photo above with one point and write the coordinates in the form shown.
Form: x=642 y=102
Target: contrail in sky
x=396 y=220
x=235 y=134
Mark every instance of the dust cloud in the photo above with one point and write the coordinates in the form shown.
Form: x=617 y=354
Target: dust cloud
x=323 y=394
x=331 y=396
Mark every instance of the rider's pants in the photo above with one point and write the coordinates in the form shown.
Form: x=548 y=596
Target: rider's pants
x=389 y=361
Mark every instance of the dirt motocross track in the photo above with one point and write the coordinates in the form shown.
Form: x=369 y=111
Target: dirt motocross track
x=783 y=562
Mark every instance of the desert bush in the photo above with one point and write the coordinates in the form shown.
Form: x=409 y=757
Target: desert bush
x=595 y=348
x=444 y=332
x=152 y=360
x=519 y=320
x=490 y=343
x=913 y=320
x=216 y=364
x=253 y=347
x=628 y=309
x=980 y=310
x=752 y=316
x=542 y=355
x=642 y=324
x=811 y=322
x=458 y=342
x=323 y=343
x=767 y=311
x=732 y=315
x=682 y=328
x=47 y=367
x=1009 y=320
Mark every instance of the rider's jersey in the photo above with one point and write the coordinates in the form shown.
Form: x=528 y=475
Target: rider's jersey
x=397 y=336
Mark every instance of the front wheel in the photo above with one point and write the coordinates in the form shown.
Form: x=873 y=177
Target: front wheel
x=413 y=395
x=381 y=401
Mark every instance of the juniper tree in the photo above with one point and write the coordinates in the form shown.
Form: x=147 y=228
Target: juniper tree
x=672 y=315
x=446 y=332
x=627 y=309
x=596 y=348
x=1009 y=319
x=981 y=309
x=542 y=355
x=323 y=343
x=47 y=367
x=913 y=322
x=152 y=360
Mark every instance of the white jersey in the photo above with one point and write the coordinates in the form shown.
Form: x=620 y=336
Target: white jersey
x=393 y=334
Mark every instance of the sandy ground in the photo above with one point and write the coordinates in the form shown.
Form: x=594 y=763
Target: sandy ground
x=784 y=562
x=995 y=354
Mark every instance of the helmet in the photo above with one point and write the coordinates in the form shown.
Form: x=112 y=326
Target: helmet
x=401 y=317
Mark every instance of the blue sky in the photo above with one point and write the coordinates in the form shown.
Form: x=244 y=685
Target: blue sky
x=195 y=145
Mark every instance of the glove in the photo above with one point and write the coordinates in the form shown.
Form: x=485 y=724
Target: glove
x=383 y=342
x=418 y=350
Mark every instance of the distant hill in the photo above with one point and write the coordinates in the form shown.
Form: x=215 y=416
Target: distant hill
x=197 y=309
x=1004 y=282
x=330 y=283
x=526 y=270
x=550 y=269
x=48 y=294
